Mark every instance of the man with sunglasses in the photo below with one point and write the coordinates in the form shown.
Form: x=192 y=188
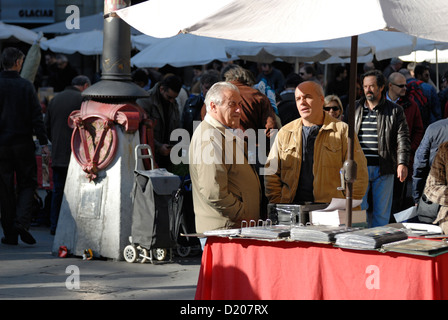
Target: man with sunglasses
x=384 y=137
x=397 y=93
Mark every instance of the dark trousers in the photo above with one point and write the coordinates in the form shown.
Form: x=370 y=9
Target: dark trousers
x=18 y=181
x=59 y=177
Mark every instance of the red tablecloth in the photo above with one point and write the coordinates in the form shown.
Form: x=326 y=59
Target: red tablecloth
x=234 y=269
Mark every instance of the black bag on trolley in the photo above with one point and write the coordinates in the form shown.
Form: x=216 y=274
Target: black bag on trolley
x=155 y=215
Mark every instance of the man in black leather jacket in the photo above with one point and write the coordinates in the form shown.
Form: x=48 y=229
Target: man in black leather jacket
x=384 y=136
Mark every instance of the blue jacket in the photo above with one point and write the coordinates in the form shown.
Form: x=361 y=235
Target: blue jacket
x=435 y=134
x=433 y=99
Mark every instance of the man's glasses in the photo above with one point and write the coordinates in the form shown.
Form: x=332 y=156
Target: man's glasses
x=332 y=108
x=398 y=85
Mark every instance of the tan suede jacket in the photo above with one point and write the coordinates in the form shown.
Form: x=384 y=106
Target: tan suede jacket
x=226 y=188
x=330 y=152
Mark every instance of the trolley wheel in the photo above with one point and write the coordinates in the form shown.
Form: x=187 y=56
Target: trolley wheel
x=142 y=254
x=183 y=251
x=159 y=253
x=130 y=253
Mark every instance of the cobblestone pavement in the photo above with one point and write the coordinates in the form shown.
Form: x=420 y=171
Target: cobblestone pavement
x=32 y=272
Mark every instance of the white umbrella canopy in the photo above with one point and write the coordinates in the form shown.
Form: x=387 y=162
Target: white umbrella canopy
x=88 y=43
x=428 y=50
x=182 y=50
x=431 y=51
x=142 y=41
x=202 y=50
x=433 y=56
x=383 y=44
x=288 y=20
x=9 y=31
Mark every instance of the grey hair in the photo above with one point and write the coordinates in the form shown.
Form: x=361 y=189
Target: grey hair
x=80 y=80
x=216 y=93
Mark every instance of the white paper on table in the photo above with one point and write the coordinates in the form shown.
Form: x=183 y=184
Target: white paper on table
x=406 y=214
x=340 y=204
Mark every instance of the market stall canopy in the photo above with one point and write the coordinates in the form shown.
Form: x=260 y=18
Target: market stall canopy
x=182 y=50
x=382 y=44
x=12 y=32
x=428 y=50
x=202 y=50
x=288 y=20
x=142 y=41
x=87 y=23
x=433 y=56
x=86 y=43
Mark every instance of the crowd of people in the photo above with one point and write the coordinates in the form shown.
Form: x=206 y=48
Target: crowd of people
x=399 y=125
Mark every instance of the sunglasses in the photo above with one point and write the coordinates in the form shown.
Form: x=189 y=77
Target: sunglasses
x=398 y=85
x=332 y=108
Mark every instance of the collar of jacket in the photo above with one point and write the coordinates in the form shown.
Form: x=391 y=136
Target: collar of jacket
x=328 y=124
x=9 y=74
x=223 y=129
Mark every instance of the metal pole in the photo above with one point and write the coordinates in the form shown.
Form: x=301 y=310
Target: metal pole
x=350 y=164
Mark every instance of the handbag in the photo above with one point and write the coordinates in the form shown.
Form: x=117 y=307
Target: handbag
x=427 y=210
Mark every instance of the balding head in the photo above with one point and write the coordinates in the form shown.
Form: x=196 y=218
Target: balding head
x=396 y=76
x=310 y=101
x=396 y=85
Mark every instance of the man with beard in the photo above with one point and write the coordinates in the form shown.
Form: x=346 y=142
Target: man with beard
x=384 y=137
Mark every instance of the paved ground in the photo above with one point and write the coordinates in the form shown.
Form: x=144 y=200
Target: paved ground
x=32 y=272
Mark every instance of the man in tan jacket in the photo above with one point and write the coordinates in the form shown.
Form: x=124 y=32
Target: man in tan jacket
x=308 y=153
x=226 y=188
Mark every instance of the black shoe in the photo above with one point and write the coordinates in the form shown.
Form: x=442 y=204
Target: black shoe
x=25 y=236
x=9 y=241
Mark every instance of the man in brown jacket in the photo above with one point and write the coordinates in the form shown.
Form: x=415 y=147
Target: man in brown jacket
x=226 y=188
x=308 y=153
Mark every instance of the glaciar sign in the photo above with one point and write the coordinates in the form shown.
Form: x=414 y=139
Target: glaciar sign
x=35 y=13
x=27 y=11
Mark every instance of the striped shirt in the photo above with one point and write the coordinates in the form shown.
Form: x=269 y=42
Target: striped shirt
x=368 y=136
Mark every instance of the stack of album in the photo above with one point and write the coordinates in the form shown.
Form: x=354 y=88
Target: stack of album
x=266 y=232
x=372 y=238
x=417 y=247
x=320 y=233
